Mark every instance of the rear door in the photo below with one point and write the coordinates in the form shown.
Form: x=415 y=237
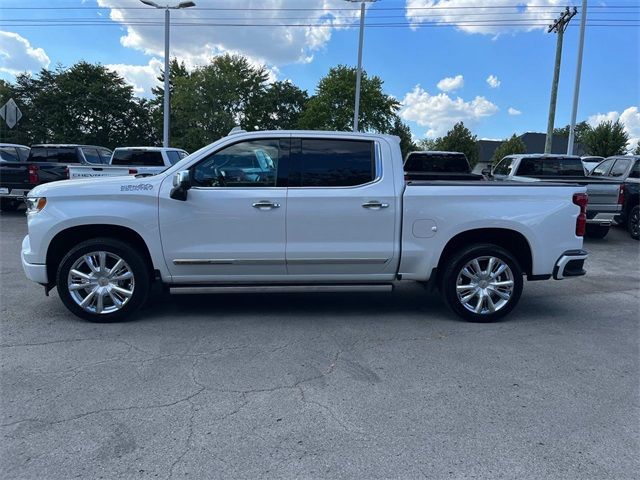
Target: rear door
x=341 y=211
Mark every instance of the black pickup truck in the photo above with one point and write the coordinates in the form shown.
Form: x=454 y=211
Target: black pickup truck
x=45 y=163
x=433 y=165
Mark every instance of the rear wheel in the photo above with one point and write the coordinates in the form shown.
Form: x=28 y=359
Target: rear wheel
x=597 y=231
x=482 y=283
x=9 y=204
x=632 y=222
x=103 y=280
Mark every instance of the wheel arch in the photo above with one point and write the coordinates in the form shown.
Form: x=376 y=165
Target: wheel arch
x=64 y=240
x=511 y=240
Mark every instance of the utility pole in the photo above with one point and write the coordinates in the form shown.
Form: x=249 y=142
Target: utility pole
x=576 y=88
x=559 y=26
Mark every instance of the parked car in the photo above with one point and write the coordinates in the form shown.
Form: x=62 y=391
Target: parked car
x=433 y=165
x=625 y=168
x=589 y=163
x=335 y=215
x=605 y=195
x=45 y=163
x=132 y=161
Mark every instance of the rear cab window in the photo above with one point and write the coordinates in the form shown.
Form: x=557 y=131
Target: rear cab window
x=436 y=162
x=66 y=155
x=562 y=167
x=320 y=162
x=138 y=158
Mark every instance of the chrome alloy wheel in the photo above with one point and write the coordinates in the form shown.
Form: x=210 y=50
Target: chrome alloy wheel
x=485 y=285
x=100 y=282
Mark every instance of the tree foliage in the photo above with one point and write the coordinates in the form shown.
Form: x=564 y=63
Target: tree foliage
x=510 y=146
x=85 y=103
x=332 y=106
x=637 y=150
x=460 y=139
x=581 y=127
x=403 y=131
x=606 y=139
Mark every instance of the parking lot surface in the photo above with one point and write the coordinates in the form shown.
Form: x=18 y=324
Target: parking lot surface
x=325 y=385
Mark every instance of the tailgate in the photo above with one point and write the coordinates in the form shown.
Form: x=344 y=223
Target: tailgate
x=603 y=197
x=91 y=172
x=13 y=175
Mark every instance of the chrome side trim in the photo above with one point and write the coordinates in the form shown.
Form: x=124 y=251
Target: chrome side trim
x=227 y=261
x=279 y=289
x=337 y=261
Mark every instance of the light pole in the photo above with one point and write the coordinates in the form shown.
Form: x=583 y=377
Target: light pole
x=359 y=71
x=165 y=113
x=576 y=89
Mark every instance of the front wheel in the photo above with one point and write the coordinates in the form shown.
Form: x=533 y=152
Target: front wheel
x=632 y=223
x=482 y=283
x=103 y=280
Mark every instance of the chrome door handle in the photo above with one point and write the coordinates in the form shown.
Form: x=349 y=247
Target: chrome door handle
x=265 y=204
x=375 y=204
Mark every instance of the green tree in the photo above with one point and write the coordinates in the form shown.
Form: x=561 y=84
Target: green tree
x=637 y=150
x=278 y=108
x=460 y=139
x=86 y=103
x=581 y=127
x=211 y=100
x=510 y=146
x=332 y=106
x=427 y=144
x=403 y=131
x=606 y=139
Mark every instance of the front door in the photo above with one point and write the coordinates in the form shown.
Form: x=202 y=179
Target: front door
x=231 y=228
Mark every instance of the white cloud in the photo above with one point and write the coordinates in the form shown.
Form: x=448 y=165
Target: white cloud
x=493 y=81
x=630 y=118
x=141 y=77
x=513 y=111
x=267 y=45
x=440 y=112
x=17 y=55
x=484 y=17
x=450 y=84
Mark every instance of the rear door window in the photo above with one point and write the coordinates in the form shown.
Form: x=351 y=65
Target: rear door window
x=140 y=158
x=530 y=166
x=174 y=156
x=332 y=163
x=105 y=155
x=91 y=155
x=23 y=153
x=620 y=167
x=635 y=171
x=603 y=168
x=9 y=154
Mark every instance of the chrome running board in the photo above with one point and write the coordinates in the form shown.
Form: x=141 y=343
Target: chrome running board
x=195 y=289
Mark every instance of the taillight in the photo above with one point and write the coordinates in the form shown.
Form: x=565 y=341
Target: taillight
x=33 y=174
x=621 y=194
x=66 y=172
x=133 y=171
x=581 y=199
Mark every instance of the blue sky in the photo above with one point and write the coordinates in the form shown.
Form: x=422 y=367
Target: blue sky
x=412 y=61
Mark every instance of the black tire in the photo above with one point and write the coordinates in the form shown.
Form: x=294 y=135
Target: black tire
x=9 y=204
x=597 y=231
x=453 y=269
x=632 y=223
x=135 y=262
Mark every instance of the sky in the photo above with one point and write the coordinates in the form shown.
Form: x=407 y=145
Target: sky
x=488 y=63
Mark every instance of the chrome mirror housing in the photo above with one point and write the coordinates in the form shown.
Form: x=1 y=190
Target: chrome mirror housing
x=181 y=183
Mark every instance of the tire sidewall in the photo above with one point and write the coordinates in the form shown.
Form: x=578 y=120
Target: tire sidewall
x=459 y=260
x=634 y=211
x=129 y=255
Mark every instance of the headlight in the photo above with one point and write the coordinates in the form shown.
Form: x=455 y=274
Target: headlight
x=35 y=204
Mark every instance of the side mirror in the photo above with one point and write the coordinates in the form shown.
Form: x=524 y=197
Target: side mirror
x=181 y=184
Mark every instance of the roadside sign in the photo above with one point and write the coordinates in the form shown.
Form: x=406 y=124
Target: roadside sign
x=10 y=113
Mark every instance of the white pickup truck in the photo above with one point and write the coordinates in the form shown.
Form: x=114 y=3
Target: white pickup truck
x=131 y=161
x=329 y=212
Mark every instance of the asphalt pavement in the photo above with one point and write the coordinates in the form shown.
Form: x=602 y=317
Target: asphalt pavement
x=315 y=386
